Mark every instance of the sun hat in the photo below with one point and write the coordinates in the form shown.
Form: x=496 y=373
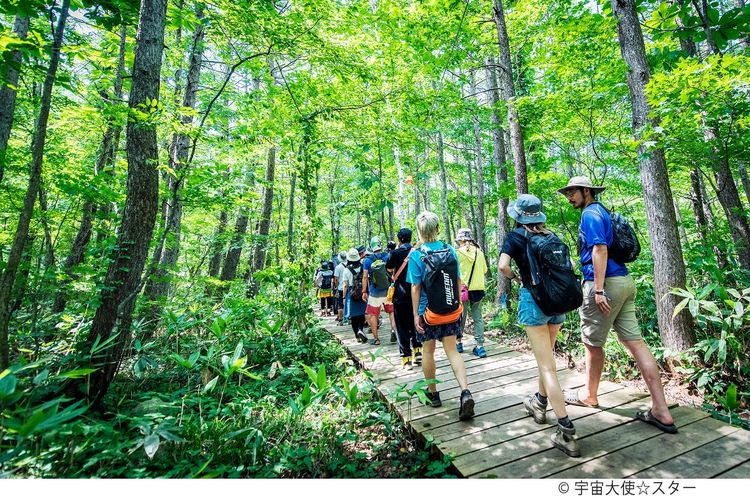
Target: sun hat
x=527 y=209
x=352 y=255
x=464 y=234
x=376 y=244
x=581 y=181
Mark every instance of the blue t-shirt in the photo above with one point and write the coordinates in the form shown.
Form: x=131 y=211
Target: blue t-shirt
x=366 y=266
x=415 y=269
x=596 y=229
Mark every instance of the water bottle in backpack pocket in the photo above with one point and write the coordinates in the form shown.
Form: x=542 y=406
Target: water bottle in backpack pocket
x=555 y=286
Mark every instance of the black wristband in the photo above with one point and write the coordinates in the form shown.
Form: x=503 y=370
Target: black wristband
x=599 y=292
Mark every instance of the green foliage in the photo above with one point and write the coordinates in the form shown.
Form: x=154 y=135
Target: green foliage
x=722 y=320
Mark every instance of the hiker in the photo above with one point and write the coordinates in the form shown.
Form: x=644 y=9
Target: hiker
x=389 y=248
x=541 y=328
x=334 y=305
x=338 y=285
x=353 y=288
x=436 y=307
x=408 y=345
x=473 y=269
x=609 y=302
x=376 y=283
x=325 y=289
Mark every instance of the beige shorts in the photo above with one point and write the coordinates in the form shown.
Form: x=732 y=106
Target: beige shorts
x=595 y=326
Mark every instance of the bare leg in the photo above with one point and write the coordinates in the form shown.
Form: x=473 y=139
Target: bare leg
x=539 y=338
x=372 y=319
x=553 y=329
x=456 y=361
x=428 y=362
x=594 y=368
x=650 y=372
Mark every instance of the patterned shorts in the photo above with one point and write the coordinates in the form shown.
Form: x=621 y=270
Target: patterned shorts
x=437 y=332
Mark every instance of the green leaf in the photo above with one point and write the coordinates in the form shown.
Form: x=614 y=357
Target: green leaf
x=81 y=372
x=210 y=385
x=41 y=377
x=679 y=307
x=8 y=385
x=151 y=445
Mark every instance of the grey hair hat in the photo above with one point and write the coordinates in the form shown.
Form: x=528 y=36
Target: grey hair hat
x=464 y=234
x=342 y=255
x=527 y=209
x=581 y=181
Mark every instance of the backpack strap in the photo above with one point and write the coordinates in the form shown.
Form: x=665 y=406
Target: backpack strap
x=403 y=265
x=474 y=263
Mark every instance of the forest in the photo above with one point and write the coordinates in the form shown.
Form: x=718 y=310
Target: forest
x=173 y=171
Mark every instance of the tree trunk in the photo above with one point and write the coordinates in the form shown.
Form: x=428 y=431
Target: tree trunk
x=444 y=188
x=729 y=197
x=232 y=259
x=261 y=245
x=479 y=235
x=669 y=268
x=217 y=246
x=686 y=44
x=501 y=177
x=401 y=199
x=506 y=82
x=290 y=253
x=112 y=146
x=680 y=226
x=8 y=91
x=472 y=219
x=123 y=280
x=745 y=180
x=106 y=160
x=160 y=282
x=35 y=179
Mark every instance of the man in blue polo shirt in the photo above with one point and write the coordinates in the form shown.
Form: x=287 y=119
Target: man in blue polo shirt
x=609 y=302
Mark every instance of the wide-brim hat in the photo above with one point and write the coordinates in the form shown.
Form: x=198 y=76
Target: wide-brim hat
x=581 y=181
x=527 y=209
x=352 y=255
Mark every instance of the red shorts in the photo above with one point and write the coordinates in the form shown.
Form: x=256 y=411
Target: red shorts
x=374 y=304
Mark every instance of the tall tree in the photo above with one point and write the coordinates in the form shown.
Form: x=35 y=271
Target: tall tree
x=509 y=94
x=264 y=225
x=443 y=187
x=480 y=169
x=35 y=179
x=123 y=280
x=669 y=268
x=168 y=252
x=8 y=90
x=501 y=176
x=107 y=154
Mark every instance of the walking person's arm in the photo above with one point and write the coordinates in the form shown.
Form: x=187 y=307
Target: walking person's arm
x=365 y=285
x=599 y=254
x=416 y=294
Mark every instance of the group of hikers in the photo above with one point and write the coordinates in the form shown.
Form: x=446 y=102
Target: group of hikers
x=430 y=288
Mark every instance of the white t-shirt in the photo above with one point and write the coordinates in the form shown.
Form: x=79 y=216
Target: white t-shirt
x=338 y=274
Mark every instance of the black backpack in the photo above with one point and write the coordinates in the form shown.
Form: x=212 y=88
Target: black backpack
x=625 y=246
x=441 y=280
x=555 y=286
x=355 y=292
x=326 y=280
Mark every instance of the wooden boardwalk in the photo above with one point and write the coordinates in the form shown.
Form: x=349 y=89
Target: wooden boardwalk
x=503 y=442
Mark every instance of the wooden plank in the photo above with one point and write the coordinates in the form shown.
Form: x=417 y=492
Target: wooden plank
x=742 y=471
x=705 y=461
x=521 y=438
x=495 y=412
x=450 y=391
x=622 y=461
